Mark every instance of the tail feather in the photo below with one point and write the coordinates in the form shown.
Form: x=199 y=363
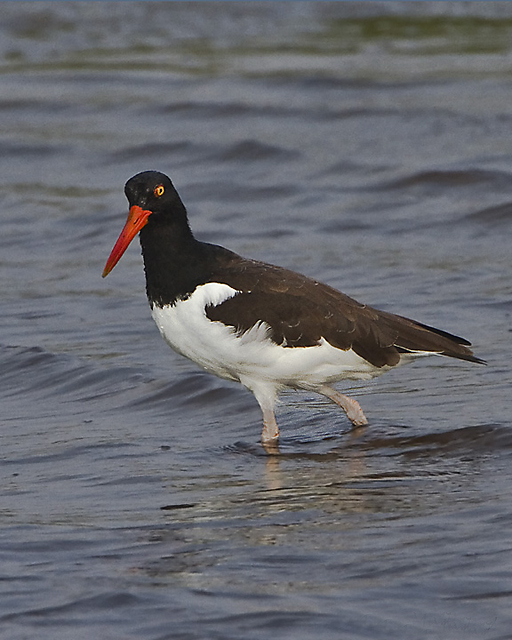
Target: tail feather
x=415 y=336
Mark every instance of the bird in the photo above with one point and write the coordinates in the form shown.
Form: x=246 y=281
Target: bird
x=264 y=326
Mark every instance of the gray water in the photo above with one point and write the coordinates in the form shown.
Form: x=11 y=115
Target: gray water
x=366 y=144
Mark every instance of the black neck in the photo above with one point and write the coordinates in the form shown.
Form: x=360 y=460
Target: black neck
x=174 y=261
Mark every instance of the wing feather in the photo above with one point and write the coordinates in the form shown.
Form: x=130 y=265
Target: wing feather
x=301 y=311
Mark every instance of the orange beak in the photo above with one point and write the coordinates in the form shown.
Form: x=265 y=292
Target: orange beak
x=137 y=218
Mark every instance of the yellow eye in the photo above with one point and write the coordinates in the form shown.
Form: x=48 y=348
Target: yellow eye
x=159 y=191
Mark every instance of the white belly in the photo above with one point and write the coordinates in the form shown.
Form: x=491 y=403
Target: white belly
x=216 y=347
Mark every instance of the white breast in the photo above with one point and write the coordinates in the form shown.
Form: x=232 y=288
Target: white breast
x=185 y=328
x=251 y=356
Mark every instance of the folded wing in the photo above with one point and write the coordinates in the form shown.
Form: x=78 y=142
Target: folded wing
x=300 y=311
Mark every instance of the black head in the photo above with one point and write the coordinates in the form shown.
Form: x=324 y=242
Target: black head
x=153 y=191
x=155 y=206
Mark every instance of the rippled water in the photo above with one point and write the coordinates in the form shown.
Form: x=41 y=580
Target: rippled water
x=366 y=144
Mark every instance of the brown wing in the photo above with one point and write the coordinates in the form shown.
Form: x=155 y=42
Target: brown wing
x=300 y=311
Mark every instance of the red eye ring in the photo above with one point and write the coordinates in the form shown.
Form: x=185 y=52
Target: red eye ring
x=159 y=191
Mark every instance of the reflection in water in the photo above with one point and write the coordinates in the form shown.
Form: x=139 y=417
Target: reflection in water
x=277 y=452
x=326 y=512
x=372 y=472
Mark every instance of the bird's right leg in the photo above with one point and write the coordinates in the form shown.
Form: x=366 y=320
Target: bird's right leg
x=350 y=406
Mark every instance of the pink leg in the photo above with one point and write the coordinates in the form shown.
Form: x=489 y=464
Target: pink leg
x=349 y=405
x=270 y=431
x=265 y=394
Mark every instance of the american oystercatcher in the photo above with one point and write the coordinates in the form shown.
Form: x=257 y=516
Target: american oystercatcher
x=261 y=325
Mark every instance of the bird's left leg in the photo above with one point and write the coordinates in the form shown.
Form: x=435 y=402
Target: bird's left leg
x=266 y=396
x=270 y=431
x=349 y=405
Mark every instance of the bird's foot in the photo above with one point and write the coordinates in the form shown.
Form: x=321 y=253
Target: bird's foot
x=354 y=412
x=270 y=433
x=350 y=406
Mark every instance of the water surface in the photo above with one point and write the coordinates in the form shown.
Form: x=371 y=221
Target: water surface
x=365 y=144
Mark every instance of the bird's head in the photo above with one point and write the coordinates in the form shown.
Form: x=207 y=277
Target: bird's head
x=150 y=194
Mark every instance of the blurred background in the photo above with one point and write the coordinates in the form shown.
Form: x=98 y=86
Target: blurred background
x=366 y=144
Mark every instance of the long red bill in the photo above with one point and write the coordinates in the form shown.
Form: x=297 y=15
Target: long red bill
x=137 y=218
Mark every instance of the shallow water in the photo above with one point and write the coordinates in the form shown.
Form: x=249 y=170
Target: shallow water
x=365 y=144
